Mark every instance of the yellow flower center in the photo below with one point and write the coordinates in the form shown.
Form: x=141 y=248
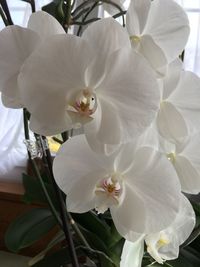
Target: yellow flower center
x=135 y=38
x=162 y=242
x=171 y=157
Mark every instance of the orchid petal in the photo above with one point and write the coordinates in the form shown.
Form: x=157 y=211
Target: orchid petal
x=99 y=39
x=172 y=78
x=16 y=44
x=109 y=131
x=186 y=99
x=80 y=201
x=171 y=123
x=188 y=175
x=44 y=24
x=152 y=52
x=75 y=160
x=137 y=15
x=11 y=102
x=135 y=100
x=132 y=253
x=179 y=230
x=169 y=27
x=99 y=147
x=54 y=72
x=154 y=180
x=125 y=221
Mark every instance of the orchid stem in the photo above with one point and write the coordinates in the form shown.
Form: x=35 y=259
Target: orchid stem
x=37 y=173
x=63 y=212
x=64 y=224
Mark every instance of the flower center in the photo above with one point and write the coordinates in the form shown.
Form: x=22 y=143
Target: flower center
x=171 y=157
x=85 y=102
x=154 y=245
x=135 y=39
x=108 y=193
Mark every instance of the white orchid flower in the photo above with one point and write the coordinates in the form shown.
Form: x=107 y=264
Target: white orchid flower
x=185 y=157
x=93 y=81
x=17 y=43
x=178 y=116
x=139 y=187
x=163 y=245
x=158 y=30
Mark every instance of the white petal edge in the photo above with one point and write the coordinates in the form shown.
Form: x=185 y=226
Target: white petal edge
x=44 y=24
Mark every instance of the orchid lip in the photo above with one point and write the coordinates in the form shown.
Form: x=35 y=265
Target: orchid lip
x=108 y=192
x=85 y=102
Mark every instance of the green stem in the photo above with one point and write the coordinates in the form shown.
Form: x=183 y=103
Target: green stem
x=67 y=20
x=6 y=10
x=3 y=17
x=64 y=225
x=86 y=15
x=37 y=173
x=86 y=22
x=78 y=231
x=63 y=212
x=117 y=7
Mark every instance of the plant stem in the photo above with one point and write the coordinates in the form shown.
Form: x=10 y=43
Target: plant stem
x=37 y=173
x=64 y=224
x=6 y=11
x=62 y=207
x=86 y=15
x=3 y=17
x=67 y=19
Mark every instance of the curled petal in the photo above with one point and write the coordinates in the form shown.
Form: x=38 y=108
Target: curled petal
x=169 y=27
x=132 y=253
x=152 y=52
x=172 y=78
x=188 y=175
x=164 y=245
x=179 y=230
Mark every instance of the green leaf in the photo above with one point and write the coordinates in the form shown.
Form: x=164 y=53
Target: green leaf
x=99 y=256
x=34 y=192
x=54 y=8
x=166 y=264
x=115 y=251
x=192 y=237
x=57 y=259
x=92 y=223
x=196 y=208
x=28 y=228
x=115 y=237
x=94 y=241
x=58 y=238
x=188 y=257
